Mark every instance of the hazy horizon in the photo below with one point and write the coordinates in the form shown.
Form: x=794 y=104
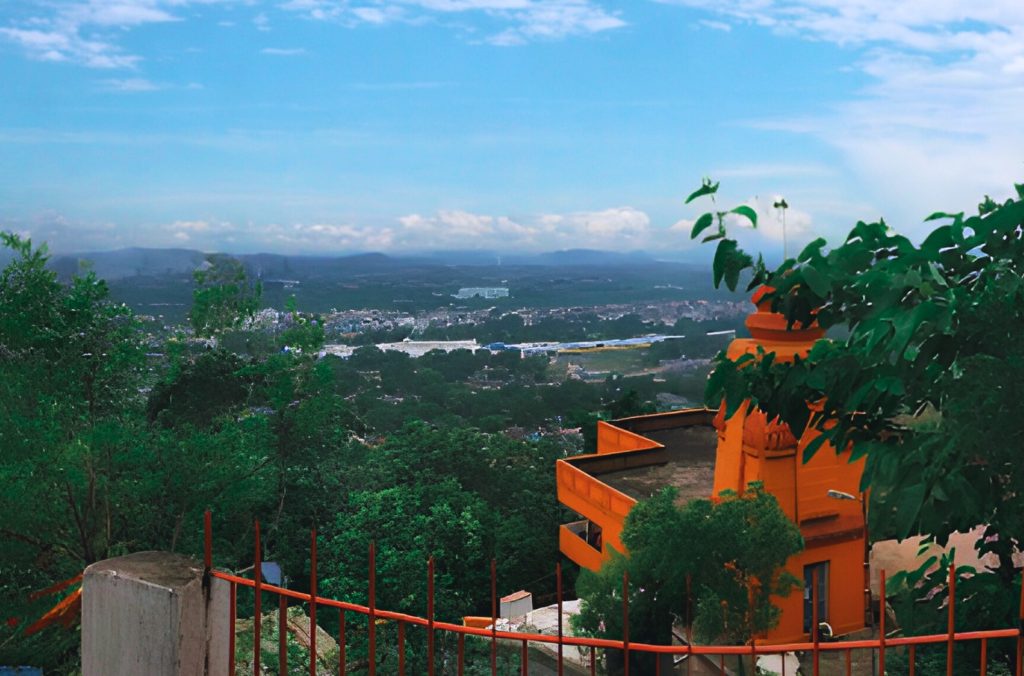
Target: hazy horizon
x=310 y=126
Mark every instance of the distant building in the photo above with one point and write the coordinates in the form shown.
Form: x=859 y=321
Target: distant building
x=413 y=348
x=483 y=292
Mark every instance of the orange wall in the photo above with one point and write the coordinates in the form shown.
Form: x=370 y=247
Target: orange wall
x=845 y=588
x=612 y=439
x=593 y=500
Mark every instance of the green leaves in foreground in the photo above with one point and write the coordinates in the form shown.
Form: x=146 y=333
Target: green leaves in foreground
x=706 y=188
x=729 y=261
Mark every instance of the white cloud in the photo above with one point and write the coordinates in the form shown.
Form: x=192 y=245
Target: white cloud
x=938 y=123
x=84 y=31
x=616 y=227
x=526 y=20
x=716 y=25
x=133 y=84
x=261 y=22
x=283 y=51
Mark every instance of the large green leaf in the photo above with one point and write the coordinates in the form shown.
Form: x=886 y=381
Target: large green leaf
x=706 y=188
x=812 y=250
x=702 y=224
x=817 y=282
x=908 y=506
x=746 y=212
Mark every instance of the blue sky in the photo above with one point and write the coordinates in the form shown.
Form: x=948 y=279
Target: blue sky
x=314 y=126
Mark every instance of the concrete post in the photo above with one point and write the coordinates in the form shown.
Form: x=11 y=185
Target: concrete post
x=150 y=613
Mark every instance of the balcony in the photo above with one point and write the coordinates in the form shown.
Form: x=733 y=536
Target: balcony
x=636 y=458
x=581 y=542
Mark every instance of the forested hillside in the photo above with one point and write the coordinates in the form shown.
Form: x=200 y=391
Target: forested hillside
x=116 y=439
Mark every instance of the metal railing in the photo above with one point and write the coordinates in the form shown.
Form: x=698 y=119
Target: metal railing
x=815 y=647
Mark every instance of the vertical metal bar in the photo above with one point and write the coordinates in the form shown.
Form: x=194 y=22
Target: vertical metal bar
x=689 y=632
x=984 y=657
x=312 y=603
x=783 y=660
x=525 y=661
x=342 y=661
x=849 y=662
x=494 y=617
x=721 y=665
x=231 y=628
x=207 y=542
x=657 y=664
x=372 y=648
x=593 y=661
x=881 y=621
x=625 y=622
x=913 y=659
x=257 y=613
x=753 y=639
x=1020 y=630
x=814 y=619
x=282 y=634
x=952 y=608
x=430 y=617
x=558 y=586
x=401 y=649
x=462 y=653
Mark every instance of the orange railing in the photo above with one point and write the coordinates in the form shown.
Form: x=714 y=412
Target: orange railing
x=815 y=647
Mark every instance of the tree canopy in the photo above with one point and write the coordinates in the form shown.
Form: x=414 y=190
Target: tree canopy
x=712 y=565
x=923 y=374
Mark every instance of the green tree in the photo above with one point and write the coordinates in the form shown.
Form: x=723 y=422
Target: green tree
x=926 y=381
x=71 y=363
x=223 y=297
x=727 y=554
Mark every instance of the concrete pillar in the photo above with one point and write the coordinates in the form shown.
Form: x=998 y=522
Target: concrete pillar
x=150 y=613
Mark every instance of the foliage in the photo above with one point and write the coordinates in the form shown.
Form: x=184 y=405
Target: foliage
x=116 y=438
x=926 y=382
x=70 y=364
x=983 y=602
x=722 y=588
x=223 y=296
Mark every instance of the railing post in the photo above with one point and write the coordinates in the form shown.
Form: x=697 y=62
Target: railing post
x=881 y=622
x=232 y=616
x=558 y=587
x=401 y=648
x=625 y=622
x=342 y=661
x=257 y=613
x=1020 y=628
x=951 y=626
x=494 y=617
x=689 y=630
x=372 y=647
x=282 y=634
x=814 y=619
x=430 y=616
x=312 y=603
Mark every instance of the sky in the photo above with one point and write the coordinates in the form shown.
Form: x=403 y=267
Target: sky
x=337 y=126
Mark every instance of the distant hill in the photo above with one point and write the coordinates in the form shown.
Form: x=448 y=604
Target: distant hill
x=487 y=257
x=134 y=262
x=591 y=257
x=143 y=262
x=159 y=281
